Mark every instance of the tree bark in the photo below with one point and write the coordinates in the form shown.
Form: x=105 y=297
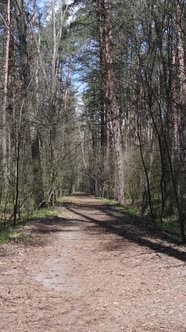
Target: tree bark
x=25 y=76
x=112 y=108
x=181 y=114
x=5 y=100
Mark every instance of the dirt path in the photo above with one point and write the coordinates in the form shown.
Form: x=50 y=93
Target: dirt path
x=92 y=270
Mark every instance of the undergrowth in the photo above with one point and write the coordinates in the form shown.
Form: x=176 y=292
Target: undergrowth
x=168 y=225
x=119 y=207
x=9 y=232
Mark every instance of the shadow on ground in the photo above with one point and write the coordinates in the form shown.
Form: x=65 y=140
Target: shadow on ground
x=101 y=218
x=128 y=227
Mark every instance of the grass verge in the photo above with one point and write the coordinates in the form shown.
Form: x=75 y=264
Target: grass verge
x=170 y=226
x=9 y=232
x=119 y=207
x=64 y=199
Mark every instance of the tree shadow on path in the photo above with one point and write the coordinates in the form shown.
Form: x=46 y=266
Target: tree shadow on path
x=128 y=227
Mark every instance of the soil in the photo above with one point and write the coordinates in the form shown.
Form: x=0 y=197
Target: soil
x=92 y=269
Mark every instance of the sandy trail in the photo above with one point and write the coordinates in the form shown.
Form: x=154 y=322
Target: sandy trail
x=96 y=271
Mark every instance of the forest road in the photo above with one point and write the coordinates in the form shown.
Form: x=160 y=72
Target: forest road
x=92 y=269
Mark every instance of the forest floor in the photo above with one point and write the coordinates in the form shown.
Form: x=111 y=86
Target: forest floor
x=92 y=269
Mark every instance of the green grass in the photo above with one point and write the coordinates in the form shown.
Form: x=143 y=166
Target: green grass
x=42 y=213
x=13 y=232
x=9 y=234
x=119 y=207
x=4 y=236
x=63 y=199
x=170 y=225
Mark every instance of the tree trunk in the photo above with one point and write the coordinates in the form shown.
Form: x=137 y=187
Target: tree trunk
x=182 y=115
x=37 y=188
x=5 y=99
x=101 y=40
x=112 y=108
x=25 y=76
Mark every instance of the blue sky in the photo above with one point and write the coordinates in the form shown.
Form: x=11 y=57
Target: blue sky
x=41 y=3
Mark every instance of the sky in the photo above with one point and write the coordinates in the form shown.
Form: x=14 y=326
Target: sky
x=41 y=3
x=79 y=86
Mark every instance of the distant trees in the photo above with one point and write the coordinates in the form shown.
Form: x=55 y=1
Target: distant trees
x=134 y=73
